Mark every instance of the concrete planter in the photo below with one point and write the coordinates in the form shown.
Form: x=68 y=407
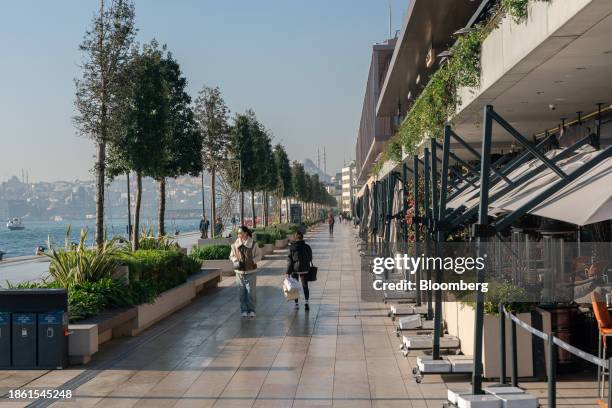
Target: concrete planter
x=281 y=243
x=459 y=319
x=165 y=304
x=85 y=337
x=224 y=265
x=268 y=249
x=214 y=241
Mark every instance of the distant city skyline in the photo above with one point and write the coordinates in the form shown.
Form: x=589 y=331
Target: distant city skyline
x=300 y=66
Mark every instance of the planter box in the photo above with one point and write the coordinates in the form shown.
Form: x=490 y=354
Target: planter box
x=165 y=304
x=86 y=336
x=268 y=249
x=214 y=241
x=225 y=266
x=459 y=319
x=281 y=243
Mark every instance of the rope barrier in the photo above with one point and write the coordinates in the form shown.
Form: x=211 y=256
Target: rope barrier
x=560 y=343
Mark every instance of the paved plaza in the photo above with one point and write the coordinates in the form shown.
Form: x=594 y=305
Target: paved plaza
x=342 y=353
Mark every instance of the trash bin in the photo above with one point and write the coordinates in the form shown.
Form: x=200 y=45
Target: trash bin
x=5 y=340
x=24 y=340
x=33 y=328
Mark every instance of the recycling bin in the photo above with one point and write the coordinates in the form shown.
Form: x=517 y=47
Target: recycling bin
x=33 y=328
x=24 y=340
x=52 y=339
x=5 y=340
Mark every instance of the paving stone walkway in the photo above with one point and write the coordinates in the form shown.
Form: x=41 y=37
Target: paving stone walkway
x=342 y=353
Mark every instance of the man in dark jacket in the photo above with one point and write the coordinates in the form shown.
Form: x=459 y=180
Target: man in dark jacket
x=298 y=265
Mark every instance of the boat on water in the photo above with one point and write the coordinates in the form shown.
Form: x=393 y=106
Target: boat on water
x=15 y=224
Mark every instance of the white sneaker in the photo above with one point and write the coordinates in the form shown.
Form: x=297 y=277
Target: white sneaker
x=252 y=314
x=244 y=314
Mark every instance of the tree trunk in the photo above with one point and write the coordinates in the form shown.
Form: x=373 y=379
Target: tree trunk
x=161 y=228
x=100 y=170
x=203 y=207
x=213 y=199
x=136 y=229
x=254 y=215
x=241 y=207
x=266 y=208
x=287 y=208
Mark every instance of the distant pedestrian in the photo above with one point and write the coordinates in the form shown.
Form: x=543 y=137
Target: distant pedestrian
x=298 y=265
x=204 y=224
x=244 y=256
x=234 y=222
x=331 y=220
x=218 y=227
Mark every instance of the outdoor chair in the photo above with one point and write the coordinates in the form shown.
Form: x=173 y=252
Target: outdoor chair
x=604 y=324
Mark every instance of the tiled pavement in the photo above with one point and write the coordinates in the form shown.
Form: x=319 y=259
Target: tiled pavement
x=342 y=353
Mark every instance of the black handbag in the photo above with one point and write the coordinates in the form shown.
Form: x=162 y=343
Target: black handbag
x=312 y=273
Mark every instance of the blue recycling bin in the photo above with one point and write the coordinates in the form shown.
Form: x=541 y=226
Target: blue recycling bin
x=33 y=328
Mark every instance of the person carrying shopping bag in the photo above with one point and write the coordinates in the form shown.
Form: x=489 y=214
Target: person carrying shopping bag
x=298 y=265
x=244 y=255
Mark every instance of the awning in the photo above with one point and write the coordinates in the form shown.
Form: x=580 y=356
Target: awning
x=586 y=200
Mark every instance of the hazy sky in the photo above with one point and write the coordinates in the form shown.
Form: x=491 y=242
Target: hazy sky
x=301 y=65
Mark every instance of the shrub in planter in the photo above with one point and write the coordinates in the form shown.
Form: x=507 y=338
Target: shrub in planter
x=165 y=269
x=210 y=253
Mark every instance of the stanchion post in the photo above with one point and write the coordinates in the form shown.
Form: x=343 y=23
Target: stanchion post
x=514 y=353
x=502 y=345
x=552 y=371
x=609 y=382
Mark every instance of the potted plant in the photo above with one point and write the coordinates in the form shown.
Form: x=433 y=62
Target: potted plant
x=214 y=256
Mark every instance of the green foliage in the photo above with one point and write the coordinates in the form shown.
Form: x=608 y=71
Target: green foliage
x=515 y=299
x=148 y=240
x=264 y=238
x=82 y=264
x=211 y=114
x=242 y=149
x=283 y=169
x=165 y=269
x=210 y=252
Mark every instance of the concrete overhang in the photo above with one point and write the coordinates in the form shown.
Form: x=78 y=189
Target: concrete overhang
x=428 y=23
x=561 y=57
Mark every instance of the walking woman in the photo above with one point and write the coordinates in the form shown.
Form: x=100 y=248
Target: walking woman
x=244 y=255
x=298 y=264
x=331 y=220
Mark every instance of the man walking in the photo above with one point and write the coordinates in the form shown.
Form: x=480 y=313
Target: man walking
x=204 y=223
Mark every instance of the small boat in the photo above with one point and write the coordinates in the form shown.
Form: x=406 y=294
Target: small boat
x=15 y=224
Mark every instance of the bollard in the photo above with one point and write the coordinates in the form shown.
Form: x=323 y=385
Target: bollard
x=552 y=371
x=514 y=353
x=502 y=345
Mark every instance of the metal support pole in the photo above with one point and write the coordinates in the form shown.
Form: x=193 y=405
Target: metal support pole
x=427 y=218
x=483 y=215
x=609 y=383
x=514 y=353
x=552 y=371
x=417 y=225
x=437 y=294
x=405 y=200
x=502 y=345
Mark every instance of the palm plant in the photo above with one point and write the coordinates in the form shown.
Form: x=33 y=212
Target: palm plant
x=81 y=264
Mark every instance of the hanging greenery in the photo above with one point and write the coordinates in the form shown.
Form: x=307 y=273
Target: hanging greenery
x=517 y=9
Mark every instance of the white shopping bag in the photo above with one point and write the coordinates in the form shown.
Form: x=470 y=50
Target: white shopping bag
x=291 y=288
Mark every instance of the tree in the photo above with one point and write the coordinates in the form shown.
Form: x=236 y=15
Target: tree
x=298 y=175
x=241 y=150
x=284 y=180
x=143 y=118
x=260 y=169
x=211 y=116
x=182 y=144
x=105 y=49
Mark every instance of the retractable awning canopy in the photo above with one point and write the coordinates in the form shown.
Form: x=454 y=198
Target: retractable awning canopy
x=586 y=200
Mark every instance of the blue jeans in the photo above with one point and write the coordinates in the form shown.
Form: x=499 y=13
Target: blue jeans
x=247 y=289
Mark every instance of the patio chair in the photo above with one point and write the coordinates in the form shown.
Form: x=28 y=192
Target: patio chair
x=604 y=323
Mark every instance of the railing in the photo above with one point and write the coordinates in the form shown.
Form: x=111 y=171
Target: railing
x=551 y=368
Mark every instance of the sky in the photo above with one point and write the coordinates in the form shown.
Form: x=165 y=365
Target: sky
x=301 y=65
